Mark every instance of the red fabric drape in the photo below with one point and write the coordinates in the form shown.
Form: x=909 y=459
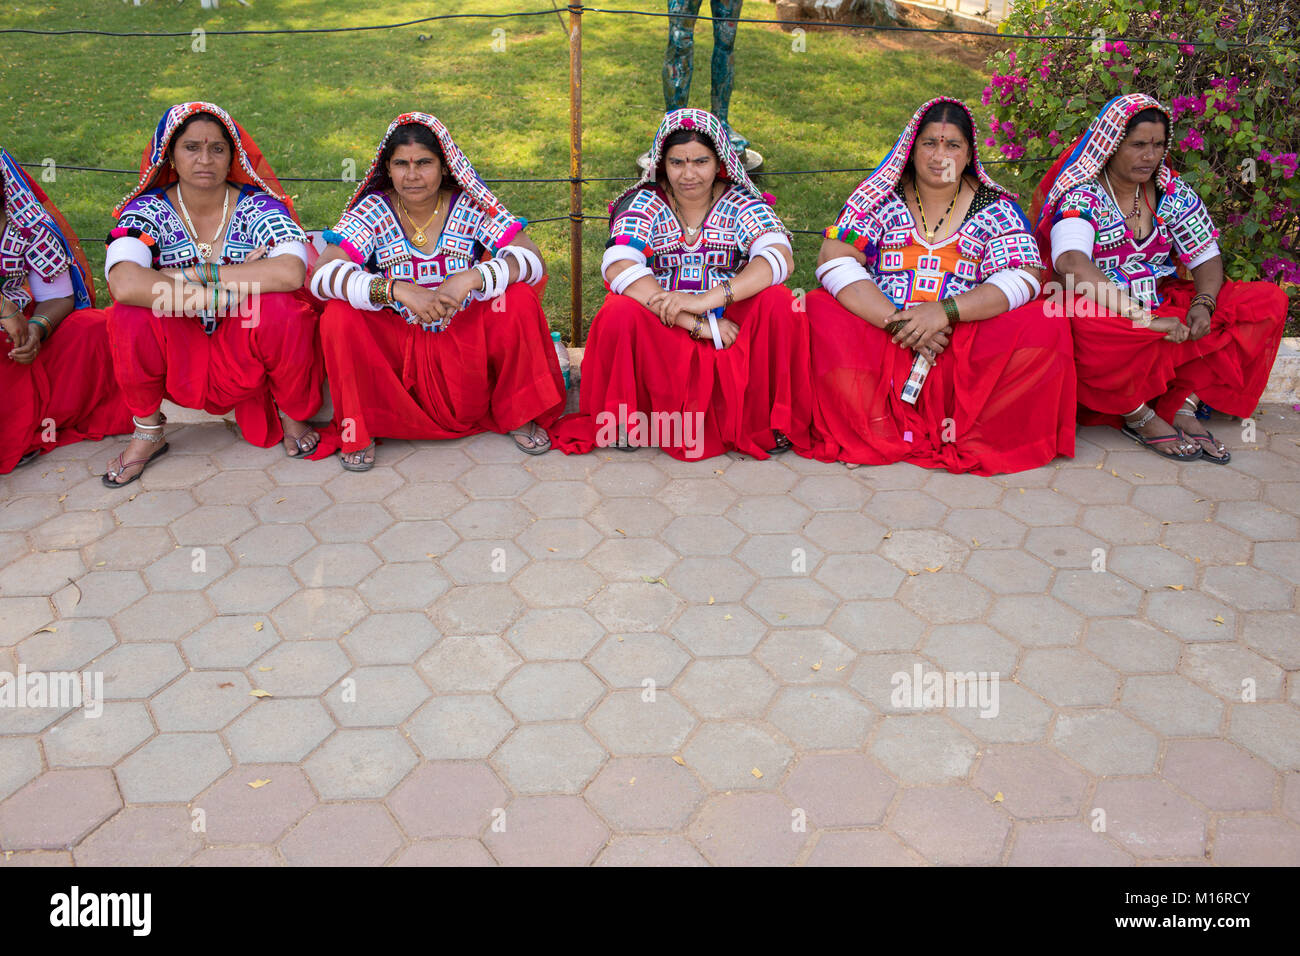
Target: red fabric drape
x=1121 y=366
x=269 y=358
x=1000 y=399
x=70 y=387
x=489 y=370
x=737 y=396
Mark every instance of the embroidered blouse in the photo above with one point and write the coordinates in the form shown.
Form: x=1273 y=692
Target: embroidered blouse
x=1089 y=221
x=995 y=236
x=371 y=234
x=33 y=265
x=645 y=222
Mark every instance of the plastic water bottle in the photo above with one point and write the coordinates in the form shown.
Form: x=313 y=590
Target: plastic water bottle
x=563 y=355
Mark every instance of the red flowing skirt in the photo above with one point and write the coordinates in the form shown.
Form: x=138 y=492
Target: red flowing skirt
x=1121 y=366
x=1001 y=397
x=251 y=364
x=66 y=395
x=494 y=368
x=696 y=401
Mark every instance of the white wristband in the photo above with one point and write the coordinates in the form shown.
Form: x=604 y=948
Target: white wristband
x=618 y=285
x=777 y=261
x=1075 y=234
x=838 y=274
x=358 y=286
x=530 y=266
x=291 y=248
x=322 y=279
x=496 y=276
x=127 y=249
x=621 y=253
x=1012 y=286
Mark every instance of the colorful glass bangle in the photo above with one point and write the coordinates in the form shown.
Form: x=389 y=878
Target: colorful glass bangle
x=43 y=322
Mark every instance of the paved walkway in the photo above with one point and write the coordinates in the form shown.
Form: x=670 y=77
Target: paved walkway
x=468 y=655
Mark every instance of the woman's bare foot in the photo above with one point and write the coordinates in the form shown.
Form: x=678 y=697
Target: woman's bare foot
x=300 y=439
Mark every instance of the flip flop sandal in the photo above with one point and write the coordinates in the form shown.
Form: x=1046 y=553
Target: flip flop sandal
x=361 y=465
x=1151 y=443
x=1209 y=436
x=782 y=444
x=300 y=442
x=28 y=458
x=123 y=466
x=541 y=444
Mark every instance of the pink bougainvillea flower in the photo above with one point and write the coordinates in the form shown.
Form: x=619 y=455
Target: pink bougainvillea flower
x=1192 y=140
x=1054 y=138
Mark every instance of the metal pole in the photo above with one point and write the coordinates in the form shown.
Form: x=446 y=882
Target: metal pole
x=575 y=172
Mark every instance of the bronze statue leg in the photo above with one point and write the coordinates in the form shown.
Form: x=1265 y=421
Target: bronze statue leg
x=679 y=58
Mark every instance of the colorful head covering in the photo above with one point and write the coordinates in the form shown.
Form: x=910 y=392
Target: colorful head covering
x=248 y=167
x=26 y=206
x=458 y=164
x=884 y=179
x=705 y=123
x=1084 y=159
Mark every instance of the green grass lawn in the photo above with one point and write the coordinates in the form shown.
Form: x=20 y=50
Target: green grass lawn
x=313 y=101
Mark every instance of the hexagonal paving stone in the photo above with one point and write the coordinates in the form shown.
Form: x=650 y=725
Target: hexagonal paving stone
x=987 y=527
x=944 y=599
x=461 y=727
x=359 y=834
x=1219 y=775
x=1068 y=678
x=549 y=758
x=335 y=565
x=1015 y=716
x=458 y=664
x=649 y=851
x=1172 y=705
x=252 y=590
x=172 y=768
x=821 y=717
x=300 y=668
x=634 y=606
x=65 y=646
x=489 y=561
x=560 y=499
x=290 y=505
x=558 y=539
x=233 y=488
x=141 y=836
x=1256 y=523
x=415 y=541
x=1151 y=819
x=1097 y=595
x=234 y=641
x=548 y=831
x=447 y=799
x=359 y=764
x=747 y=829
x=279 y=731
x=702 y=534
x=1271 y=730
x=1035 y=781
x=700 y=580
x=1150 y=567
x=1035 y=620
x=163 y=616
x=490 y=519
x=633 y=517
x=644 y=793
x=319 y=613
x=234 y=812
x=1273 y=636
x=457 y=852
x=852 y=533
x=1229 y=669
x=1008 y=572
x=560 y=690
x=376 y=696
x=129 y=548
x=696 y=496
x=20 y=761
x=390 y=638
x=962 y=491
x=1133 y=647
x=202 y=700
x=971 y=647
x=877 y=626
x=1064 y=843
x=1105 y=742
x=1065 y=547
x=402 y=587
x=212 y=524
x=719 y=689
x=1120 y=524
x=923 y=749
x=495 y=481
x=555 y=634
x=1040 y=507
x=434 y=463
x=272 y=544
x=768 y=513
x=1170 y=503
x=793 y=603
x=855 y=576
x=951 y=826
x=725 y=754
x=804 y=656
x=759 y=478
x=630 y=560
x=906 y=509
x=838 y=790
x=425 y=500
x=718 y=631
x=154 y=507
x=633 y=723
x=83 y=740
x=628 y=479
x=779 y=555
x=1249 y=589
x=1202 y=542
x=57 y=809
x=627 y=660
x=99 y=594
x=557 y=584
x=476 y=609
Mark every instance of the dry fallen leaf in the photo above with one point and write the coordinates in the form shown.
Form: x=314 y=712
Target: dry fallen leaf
x=51 y=630
x=1099 y=466
x=649 y=580
x=226 y=684
x=937 y=567
x=621 y=531
x=888 y=535
x=710 y=599
x=997 y=797
x=679 y=761
x=1021 y=490
x=631 y=782
x=1174 y=587
x=1218 y=619
x=62 y=498
x=264 y=669
x=757 y=774
x=975 y=542
x=780 y=616
x=1138 y=474
x=1114 y=473
x=1166 y=522
x=100 y=564
x=726 y=617
x=258 y=692
x=255 y=784
x=1240 y=564
x=817 y=666
x=258 y=626
x=841 y=667
x=278 y=500
x=912 y=574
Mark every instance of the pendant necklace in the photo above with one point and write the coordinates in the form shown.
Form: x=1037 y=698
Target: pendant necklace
x=929 y=233
x=204 y=248
x=1137 y=195
x=419 y=238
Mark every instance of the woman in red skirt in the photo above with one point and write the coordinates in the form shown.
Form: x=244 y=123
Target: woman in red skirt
x=1151 y=347
x=206 y=266
x=698 y=348
x=419 y=340
x=59 y=388
x=926 y=346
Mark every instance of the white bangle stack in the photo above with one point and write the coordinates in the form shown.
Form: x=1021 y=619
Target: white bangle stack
x=840 y=273
x=338 y=279
x=768 y=246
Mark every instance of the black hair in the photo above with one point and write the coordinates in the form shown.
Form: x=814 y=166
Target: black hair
x=947 y=111
x=1148 y=115
x=408 y=134
x=211 y=118
x=680 y=137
